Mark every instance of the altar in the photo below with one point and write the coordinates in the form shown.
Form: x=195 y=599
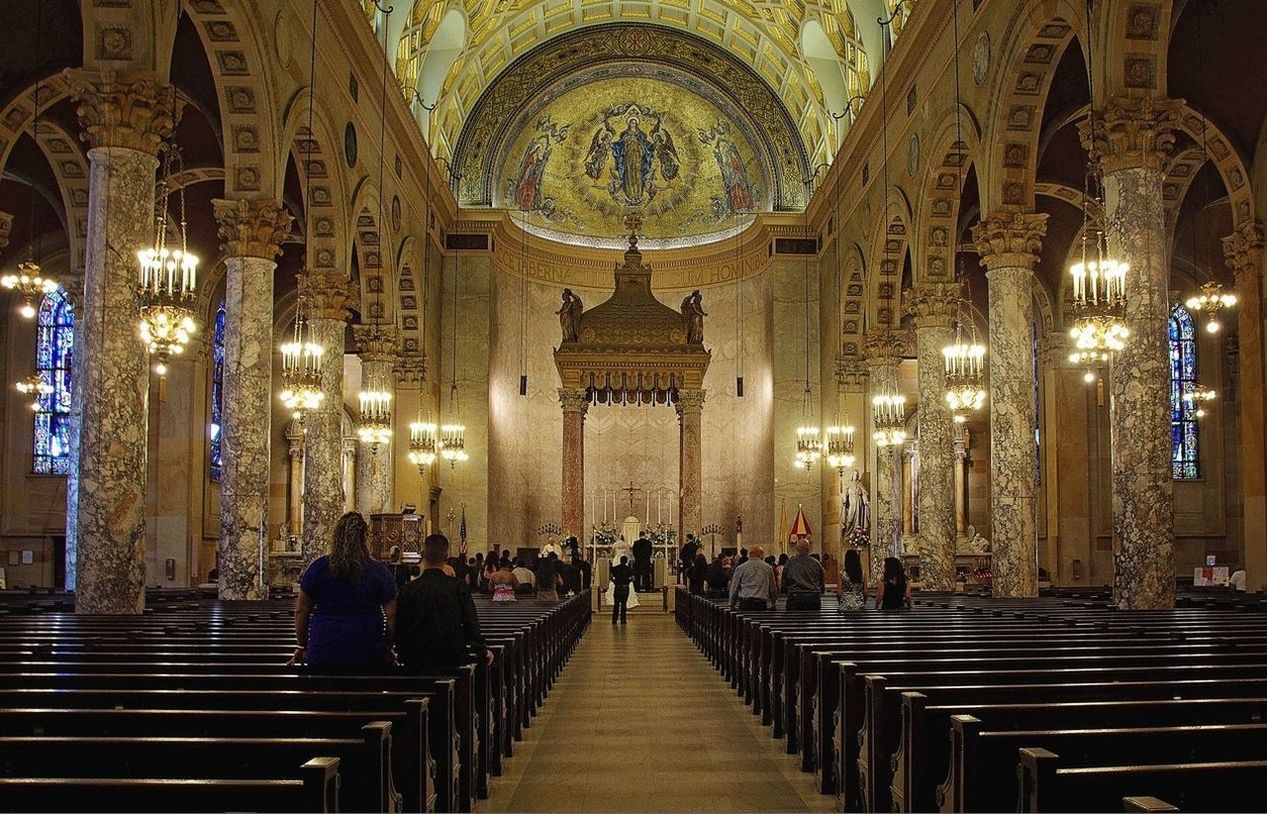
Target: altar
x=607 y=546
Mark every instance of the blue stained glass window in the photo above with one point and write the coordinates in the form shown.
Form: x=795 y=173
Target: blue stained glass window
x=217 y=393
x=1183 y=379
x=54 y=338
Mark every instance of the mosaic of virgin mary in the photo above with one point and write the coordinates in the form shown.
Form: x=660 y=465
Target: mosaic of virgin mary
x=632 y=156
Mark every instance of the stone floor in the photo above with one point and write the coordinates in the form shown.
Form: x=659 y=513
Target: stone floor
x=640 y=721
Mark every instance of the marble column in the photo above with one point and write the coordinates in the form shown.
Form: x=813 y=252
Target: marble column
x=74 y=287
x=961 y=483
x=1009 y=245
x=295 y=480
x=883 y=351
x=575 y=403
x=125 y=118
x=933 y=307
x=326 y=299
x=1133 y=144
x=1244 y=253
x=252 y=232
x=375 y=469
x=690 y=407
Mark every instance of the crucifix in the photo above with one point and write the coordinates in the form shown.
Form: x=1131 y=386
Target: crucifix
x=633 y=222
x=631 y=490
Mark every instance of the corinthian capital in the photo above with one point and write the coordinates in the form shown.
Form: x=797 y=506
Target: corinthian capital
x=933 y=305
x=882 y=346
x=1132 y=133
x=574 y=399
x=326 y=296
x=690 y=402
x=251 y=228
x=1010 y=239
x=410 y=368
x=125 y=110
x=378 y=343
x=1243 y=250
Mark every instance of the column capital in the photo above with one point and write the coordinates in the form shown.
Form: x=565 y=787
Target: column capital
x=327 y=296
x=251 y=228
x=6 y=226
x=882 y=347
x=1243 y=250
x=127 y=110
x=933 y=305
x=690 y=402
x=1132 y=133
x=1010 y=239
x=851 y=372
x=73 y=285
x=410 y=368
x=1053 y=349
x=378 y=343
x=574 y=399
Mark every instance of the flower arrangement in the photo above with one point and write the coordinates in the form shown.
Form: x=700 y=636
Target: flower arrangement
x=604 y=534
x=858 y=538
x=661 y=535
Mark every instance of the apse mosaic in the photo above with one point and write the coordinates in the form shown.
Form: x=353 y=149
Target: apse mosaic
x=601 y=149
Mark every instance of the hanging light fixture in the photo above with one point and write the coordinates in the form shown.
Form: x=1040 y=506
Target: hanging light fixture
x=302 y=356
x=167 y=287
x=29 y=282
x=35 y=386
x=889 y=417
x=840 y=447
x=301 y=371
x=452 y=438
x=375 y=425
x=1098 y=325
x=423 y=443
x=809 y=444
x=1210 y=301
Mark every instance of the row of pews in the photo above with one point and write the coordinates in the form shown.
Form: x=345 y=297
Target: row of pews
x=191 y=707
x=971 y=704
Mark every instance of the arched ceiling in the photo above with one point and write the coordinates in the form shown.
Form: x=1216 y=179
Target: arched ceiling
x=765 y=34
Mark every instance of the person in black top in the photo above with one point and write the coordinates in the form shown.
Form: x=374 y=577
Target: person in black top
x=687 y=558
x=621 y=575
x=895 y=590
x=696 y=573
x=435 y=617
x=642 y=550
x=587 y=573
x=718 y=578
x=399 y=569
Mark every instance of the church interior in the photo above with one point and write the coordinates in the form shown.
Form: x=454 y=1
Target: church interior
x=958 y=297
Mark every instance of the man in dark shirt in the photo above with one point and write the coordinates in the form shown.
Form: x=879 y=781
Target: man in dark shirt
x=803 y=579
x=687 y=556
x=621 y=575
x=587 y=573
x=435 y=617
x=642 y=550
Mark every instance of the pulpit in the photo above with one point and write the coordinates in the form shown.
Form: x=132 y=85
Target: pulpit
x=387 y=530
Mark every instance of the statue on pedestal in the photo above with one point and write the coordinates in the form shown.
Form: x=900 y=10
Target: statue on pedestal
x=569 y=314
x=693 y=311
x=855 y=512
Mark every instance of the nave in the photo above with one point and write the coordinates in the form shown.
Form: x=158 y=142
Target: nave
x=639 y=722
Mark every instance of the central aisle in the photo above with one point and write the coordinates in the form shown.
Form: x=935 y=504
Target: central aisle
x=640 y=721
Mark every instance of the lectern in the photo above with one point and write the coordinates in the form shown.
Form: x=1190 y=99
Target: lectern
x=404 y=530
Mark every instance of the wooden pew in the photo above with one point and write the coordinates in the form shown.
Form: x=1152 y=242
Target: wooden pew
x=314 y=787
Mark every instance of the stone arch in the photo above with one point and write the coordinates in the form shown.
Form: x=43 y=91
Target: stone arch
x=15 y=117
x=1136 y=35
x=411 y=299
x=853 y=299
x=70 y=168
x=1227 y=160
x=316 y=154
x=1037 y=36
x=124 y=35
x=231 y=40
x=373 y=255
x=938 y=221
x=892 y=242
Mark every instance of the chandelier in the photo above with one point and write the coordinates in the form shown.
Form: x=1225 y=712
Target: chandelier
x=35 y=385
x=452 y=443
x=30 y=285
x=1199 y=397
x=166 y=290
x=301 y=371
x=809 y=447
x=840 y=447
x=1211 y=300
x=375 y=426
x=965 y=368
x=889 y=416
x=423 y=442
x=1098 y=328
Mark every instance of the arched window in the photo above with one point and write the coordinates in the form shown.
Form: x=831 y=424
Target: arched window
x=217 y=392
x=54 y=336
x=1183 y=379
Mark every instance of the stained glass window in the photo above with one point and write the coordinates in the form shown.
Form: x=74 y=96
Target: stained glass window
x=54 y=336
x=1183 y=378
x=217 y=392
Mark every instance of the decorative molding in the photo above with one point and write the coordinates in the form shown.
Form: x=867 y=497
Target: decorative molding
x=1132 y=133
x=378 y=343
x=1010 y=239
x=251 y=228
x=327 y=296
x=933 y=305
x=574 y=399
x=410 y=368
x=1243 y=251
x=123 y=110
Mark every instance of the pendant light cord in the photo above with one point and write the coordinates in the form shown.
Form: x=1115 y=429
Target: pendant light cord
x=384 y=249
x=312 y=141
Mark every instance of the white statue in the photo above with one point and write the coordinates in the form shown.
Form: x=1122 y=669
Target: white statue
x=855 y=510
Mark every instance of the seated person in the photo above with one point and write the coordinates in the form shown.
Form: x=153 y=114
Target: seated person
x=527 y=580
x=436 y=621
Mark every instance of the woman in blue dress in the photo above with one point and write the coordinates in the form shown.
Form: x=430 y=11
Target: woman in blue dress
x=346 y=606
